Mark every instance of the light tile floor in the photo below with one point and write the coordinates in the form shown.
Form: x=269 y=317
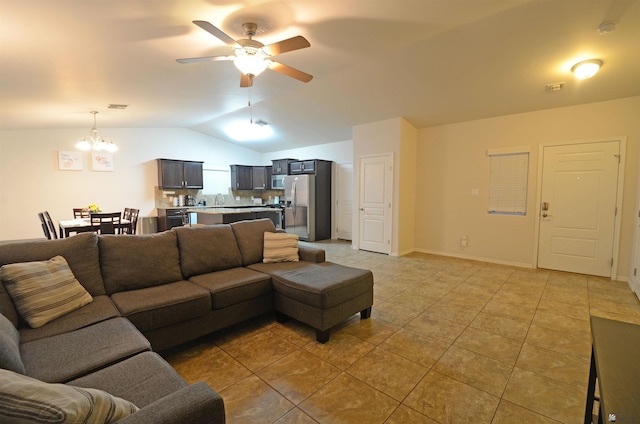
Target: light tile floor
x=449 y=341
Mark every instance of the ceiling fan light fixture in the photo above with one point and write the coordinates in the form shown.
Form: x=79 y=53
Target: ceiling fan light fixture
x=586 y=68
x=250 y=61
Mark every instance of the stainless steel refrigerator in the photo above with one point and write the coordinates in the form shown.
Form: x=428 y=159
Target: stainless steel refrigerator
x=307 y=211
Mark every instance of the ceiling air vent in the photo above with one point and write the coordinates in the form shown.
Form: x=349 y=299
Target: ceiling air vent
x=554 y=87
x=117 y=106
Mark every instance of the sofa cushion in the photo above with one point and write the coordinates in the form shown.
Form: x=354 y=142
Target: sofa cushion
x=101 y=309
x=25 y=399
x=139 y=261
x=250 y=238
x=207 y=248
x=280 y=247
x=10 y=346
x=43 y=290
x=233 y=286
x=159 y=306
x=70 y=355
x=142 y=379
x=81 y=253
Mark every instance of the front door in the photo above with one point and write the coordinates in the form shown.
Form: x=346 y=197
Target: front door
x=375 y=203
x=578 y=207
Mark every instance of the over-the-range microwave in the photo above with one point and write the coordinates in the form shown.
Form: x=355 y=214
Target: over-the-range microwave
x=277 y=182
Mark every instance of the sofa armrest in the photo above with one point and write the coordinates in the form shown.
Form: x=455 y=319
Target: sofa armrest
x=197 y=403
x=311 y=254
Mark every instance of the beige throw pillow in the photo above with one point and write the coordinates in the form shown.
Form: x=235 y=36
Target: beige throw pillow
x=280 y=247
x=27 y=400
x=43 y=291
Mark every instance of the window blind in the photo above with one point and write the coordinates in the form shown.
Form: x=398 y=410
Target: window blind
x=508 y=176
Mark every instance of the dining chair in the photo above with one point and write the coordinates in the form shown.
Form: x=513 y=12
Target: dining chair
x=133 y=220
x=45 y=227
x=106 y=223
x=80 y=213
x=51 y=225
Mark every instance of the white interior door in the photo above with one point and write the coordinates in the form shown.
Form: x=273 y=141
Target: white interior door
x=344 y=200
x=376 y=175
x=634 y=274
x=578 y=207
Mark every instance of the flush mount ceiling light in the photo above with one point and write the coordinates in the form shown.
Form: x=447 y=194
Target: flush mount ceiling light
x=249 y=131
x=586 y=68
x=94 y=141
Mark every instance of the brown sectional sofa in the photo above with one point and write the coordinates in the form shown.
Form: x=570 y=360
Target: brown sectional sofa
x=156 y=292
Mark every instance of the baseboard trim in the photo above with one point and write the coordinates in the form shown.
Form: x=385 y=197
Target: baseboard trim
x=635 y=286
x=477 y=258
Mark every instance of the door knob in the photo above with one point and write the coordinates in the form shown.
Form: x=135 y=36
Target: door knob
x=544 y=214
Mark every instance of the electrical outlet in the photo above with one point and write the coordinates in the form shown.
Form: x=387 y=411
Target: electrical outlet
x=464 y=242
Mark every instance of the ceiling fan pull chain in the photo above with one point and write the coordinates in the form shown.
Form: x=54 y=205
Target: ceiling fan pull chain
x=250 y=108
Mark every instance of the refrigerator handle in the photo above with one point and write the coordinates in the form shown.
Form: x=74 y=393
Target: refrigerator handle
x=293 y=193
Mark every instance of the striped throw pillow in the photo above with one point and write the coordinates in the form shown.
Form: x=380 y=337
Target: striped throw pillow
x=24 y=400
x=280 y=247
x=43 y=291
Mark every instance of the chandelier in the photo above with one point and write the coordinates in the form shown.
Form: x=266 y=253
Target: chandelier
x=94 y=141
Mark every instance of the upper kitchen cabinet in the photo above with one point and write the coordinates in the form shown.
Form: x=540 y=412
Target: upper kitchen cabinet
x=281 y=166
x=311 y=166
x=261 y=177
x=241 y=177
x=177 y=174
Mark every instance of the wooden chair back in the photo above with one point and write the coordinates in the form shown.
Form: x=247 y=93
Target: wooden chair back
x=43 y=224
x=106 y=223
x=80 y=213
x=51 y=225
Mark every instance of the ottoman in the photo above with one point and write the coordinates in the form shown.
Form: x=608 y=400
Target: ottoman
x=322 y=295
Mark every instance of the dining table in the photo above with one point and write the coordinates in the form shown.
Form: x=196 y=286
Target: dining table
x=81 y=225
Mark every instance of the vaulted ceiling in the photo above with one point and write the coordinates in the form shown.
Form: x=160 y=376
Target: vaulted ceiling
x=430 y=61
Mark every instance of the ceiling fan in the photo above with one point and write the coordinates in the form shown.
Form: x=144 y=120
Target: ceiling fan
x=251 y=56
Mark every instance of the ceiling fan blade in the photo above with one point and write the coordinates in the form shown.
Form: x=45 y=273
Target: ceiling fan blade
x=205 y=59
x=289 y=71
x=215 y=32
x=290 y=44
x=245 y=80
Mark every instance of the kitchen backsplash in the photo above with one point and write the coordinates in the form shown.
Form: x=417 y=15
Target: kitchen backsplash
x=165 y=200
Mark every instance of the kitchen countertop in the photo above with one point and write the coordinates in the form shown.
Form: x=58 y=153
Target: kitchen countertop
x=200 y=208
x=230 y=210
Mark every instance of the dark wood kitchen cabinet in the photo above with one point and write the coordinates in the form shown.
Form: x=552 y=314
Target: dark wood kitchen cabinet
x=241 y=177
x=311 y=166
x=180 y=174
x=261 y=176
x=281 y=166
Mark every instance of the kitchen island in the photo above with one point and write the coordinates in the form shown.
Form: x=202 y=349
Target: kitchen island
x=226 y=215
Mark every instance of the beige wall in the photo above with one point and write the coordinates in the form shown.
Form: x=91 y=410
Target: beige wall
x=452 y=167
x=398 y=137
x=30 y=181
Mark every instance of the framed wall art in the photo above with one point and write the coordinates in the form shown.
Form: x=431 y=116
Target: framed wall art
x=101 y=161
x=70 y=161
